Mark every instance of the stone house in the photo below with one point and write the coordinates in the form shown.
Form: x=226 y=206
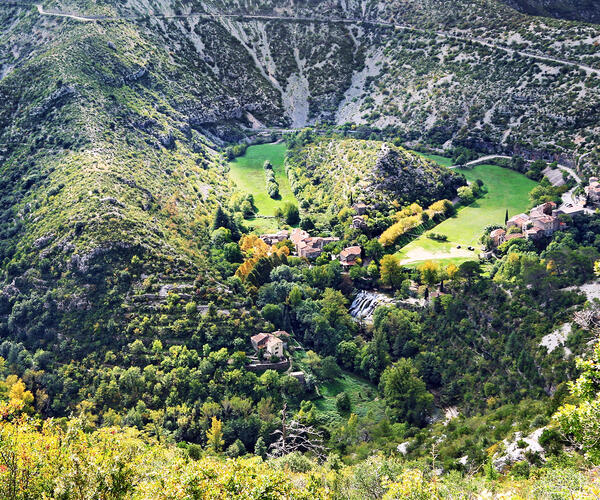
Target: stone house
x=520 y=221
x=360 y=208
x=547 y=208
x=498 y=237
x=283 y=336
x=308 y=246
x=298 y=235
x=533 y=233
x=358 y=222
x=273 y=239
x=272 y=345
x=349 y=256
x=549 y=224
x=592 y=191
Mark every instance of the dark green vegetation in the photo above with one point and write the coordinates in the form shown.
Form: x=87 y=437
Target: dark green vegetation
x=586 y=10
x=121 y=237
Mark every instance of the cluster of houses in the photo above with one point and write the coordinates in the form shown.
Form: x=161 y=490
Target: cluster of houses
x=311 y=247
x=542 y=221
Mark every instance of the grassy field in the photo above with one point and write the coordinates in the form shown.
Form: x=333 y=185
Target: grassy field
x=506 y=188
x=248 y=175
x=363 y=394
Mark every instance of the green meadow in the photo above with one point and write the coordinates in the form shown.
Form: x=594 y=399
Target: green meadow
x=248 y=175
x=506 y=190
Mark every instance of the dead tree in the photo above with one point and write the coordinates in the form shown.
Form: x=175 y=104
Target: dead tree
x=296 y=436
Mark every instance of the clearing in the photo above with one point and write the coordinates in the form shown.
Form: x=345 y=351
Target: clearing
x=363 y=394
x=248 y=175
x=506 y=190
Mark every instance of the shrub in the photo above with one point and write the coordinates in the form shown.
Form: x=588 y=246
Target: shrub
x=291 y=214
x=237 y=449
x=343 y=403
x=437 y=236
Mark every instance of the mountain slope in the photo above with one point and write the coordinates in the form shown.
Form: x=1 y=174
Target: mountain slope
x=587 y=10
x=479 y=74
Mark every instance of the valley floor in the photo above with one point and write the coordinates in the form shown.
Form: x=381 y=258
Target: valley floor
x=248 y=175
x=506 y=190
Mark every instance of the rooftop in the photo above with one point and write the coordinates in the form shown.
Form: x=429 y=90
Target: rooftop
x=351 y=251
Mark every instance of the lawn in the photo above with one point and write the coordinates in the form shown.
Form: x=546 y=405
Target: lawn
x=506 y=189
x=248 y=175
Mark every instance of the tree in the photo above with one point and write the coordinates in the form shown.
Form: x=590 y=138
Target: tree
x=405 y=393
x=581 y=422
x=451 y=271
x=295 y=296
x=374 y=250
x=295 y=436
x=506 y=217
x=329 y=369
x=273 y=313
x=214 y=435
x=346 y=353
x=391 y=272
x=233 y=253
x=220 y=219
x=343 y=403
x=260 y=449
x=237 y=449
x=291 y=214
x=429 y=272
x=469 y=270
x=465 y=193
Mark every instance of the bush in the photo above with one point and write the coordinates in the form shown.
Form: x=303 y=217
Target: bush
x=237 y=449
x=272 y=186
x=291 y=214
x=343 y=403
x=437 y=236
x=194 y=451
x=294 y=462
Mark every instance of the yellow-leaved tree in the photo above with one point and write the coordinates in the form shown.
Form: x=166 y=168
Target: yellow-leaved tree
x=16 y=393
x=214 y=435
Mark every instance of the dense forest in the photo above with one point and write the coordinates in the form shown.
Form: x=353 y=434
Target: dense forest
x=170 y=331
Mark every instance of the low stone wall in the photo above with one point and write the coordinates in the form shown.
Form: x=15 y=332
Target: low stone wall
x=260 y=367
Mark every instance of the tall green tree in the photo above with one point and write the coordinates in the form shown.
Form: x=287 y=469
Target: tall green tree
x=405 y=393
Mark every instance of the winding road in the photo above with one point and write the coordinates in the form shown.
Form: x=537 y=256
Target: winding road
x=296 y=19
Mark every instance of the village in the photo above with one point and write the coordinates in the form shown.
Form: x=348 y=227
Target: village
x=544 y=220
x=541 y=222
x=270 y=348
x=311 y=247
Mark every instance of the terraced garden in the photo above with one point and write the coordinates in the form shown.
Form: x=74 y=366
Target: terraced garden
x=248 y=175
x=506 y=190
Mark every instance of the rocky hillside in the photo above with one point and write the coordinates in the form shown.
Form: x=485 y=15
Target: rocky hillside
x=586 y=10
x=479 y=74
x=329 y=174
x=105 y=171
